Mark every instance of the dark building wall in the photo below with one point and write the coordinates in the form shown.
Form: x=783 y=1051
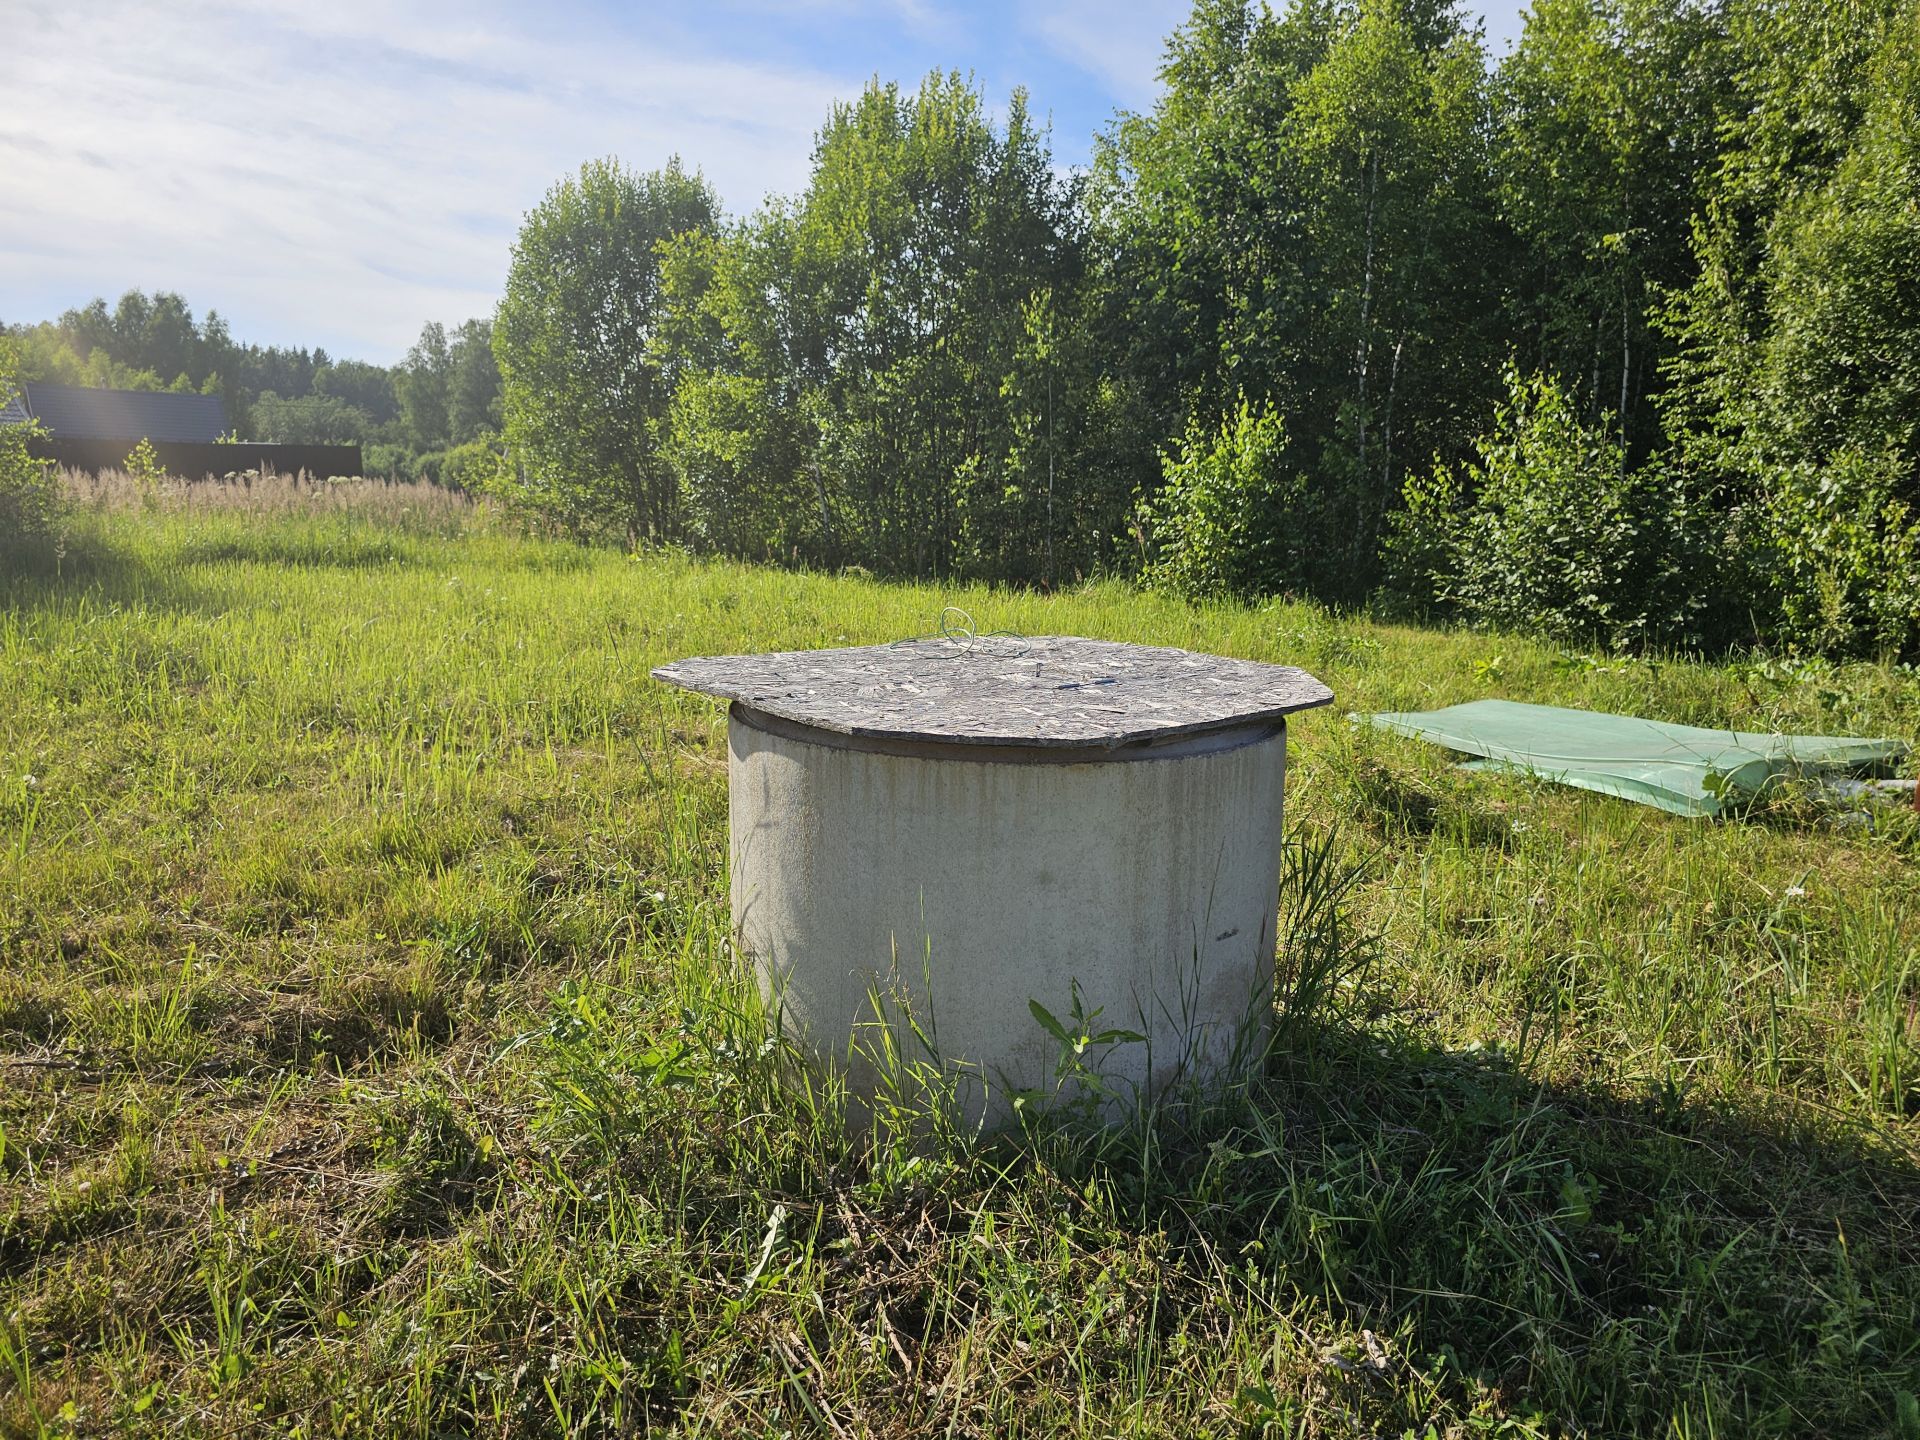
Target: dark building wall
x=196 y=462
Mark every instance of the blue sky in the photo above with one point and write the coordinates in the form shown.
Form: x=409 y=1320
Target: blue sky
x=336 y=172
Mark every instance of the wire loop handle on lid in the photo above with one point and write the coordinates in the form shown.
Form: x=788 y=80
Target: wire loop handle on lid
x=957 y=629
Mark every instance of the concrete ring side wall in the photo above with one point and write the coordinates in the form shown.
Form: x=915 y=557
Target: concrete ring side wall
x=966 y=888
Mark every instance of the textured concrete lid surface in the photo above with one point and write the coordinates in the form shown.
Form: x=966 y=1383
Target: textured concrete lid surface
x=1030 y=690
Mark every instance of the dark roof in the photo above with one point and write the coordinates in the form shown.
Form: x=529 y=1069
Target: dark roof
x=1006 y=690
x=71 y=412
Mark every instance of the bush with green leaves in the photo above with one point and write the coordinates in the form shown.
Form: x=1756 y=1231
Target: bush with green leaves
x=32 y=511
x=142 y=466
x=1550 y=533
x=1227 y=519
x=474 y=467
x=1842 y=542
x=1796 y=377
x=390 y=461
x=479 y=465
x=1834 y=427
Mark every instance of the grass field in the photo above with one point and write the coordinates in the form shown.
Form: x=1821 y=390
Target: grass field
x=373 y=1062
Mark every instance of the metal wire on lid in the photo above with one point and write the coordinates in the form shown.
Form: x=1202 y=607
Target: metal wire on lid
x=957 y=629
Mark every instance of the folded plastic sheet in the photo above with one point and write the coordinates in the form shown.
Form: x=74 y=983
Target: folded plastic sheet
x=1682 y=768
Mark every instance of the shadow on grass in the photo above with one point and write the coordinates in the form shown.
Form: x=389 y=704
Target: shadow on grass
x=105 y=568
x=315 y=546
x=1612 y=1259
x=1624 y=1264
x=92 y=567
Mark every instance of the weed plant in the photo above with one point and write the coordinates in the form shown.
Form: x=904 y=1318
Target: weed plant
x=374 y=1058
x=414 y=506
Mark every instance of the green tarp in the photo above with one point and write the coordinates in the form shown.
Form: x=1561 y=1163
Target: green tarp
x=1681 y=768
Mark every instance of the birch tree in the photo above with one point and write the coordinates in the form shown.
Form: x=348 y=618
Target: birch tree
x=584 y=398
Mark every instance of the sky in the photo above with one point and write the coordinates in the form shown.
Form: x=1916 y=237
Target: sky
x=338 y=172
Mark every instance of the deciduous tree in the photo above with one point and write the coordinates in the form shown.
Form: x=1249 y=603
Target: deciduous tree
x=584 y=398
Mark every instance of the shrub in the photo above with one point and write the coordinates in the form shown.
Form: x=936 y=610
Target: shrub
x=1844 y=550
x=1551 y=534
x=32 y=512
x=1226 y=520
x=473 y=467
x=389 y=462
x=143 y=468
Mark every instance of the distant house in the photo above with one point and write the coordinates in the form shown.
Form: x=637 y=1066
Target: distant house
x=73 y=412
x=93 y=430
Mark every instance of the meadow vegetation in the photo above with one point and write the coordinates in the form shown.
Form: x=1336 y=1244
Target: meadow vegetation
x=1608 y=338
x=374 y=1060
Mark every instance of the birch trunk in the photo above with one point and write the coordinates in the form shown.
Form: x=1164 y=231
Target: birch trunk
x=1366 y=306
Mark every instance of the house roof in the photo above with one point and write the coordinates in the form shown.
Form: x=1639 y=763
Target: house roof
x=14 y=410
x=71 y=412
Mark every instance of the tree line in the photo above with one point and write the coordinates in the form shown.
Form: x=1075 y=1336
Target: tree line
x=434 y=415
x=1616 y=339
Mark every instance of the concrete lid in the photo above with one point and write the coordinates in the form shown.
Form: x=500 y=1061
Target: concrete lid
x=1042 y=690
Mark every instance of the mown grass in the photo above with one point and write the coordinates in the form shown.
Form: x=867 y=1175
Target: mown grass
x=373 y=1061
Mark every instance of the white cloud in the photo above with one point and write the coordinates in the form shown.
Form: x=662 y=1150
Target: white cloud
x=1121 y=45
x=339 y=172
